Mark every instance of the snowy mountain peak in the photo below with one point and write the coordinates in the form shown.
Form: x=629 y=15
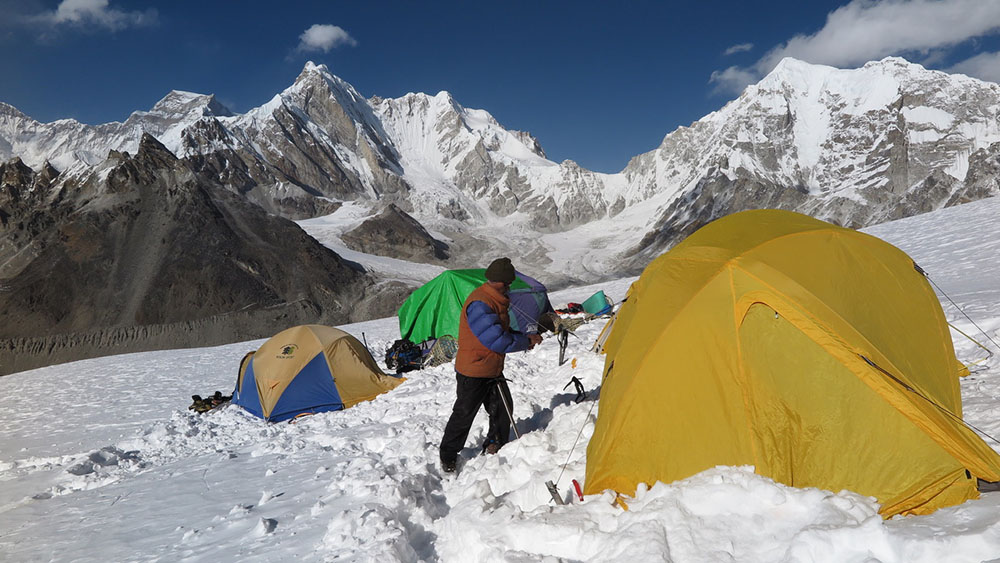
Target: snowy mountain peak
x=892 y=65
x=313 y=67
x=810 y=79
x=790 y=66
x=312 y=72
x=895 y=64
x=178 y=103
x=418 y=102
x=889 y=73
x=318 y=78
x=445 y=96
x=7 y=110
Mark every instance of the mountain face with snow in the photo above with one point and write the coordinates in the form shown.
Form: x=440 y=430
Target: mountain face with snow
x=856 y=147
x=143 y=252
x=70 y=145
x=440 y=183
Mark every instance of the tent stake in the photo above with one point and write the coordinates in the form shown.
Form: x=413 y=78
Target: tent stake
x=554 y=492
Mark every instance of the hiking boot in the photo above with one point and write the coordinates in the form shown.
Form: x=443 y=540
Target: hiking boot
x=448 y=466
x=492 y=448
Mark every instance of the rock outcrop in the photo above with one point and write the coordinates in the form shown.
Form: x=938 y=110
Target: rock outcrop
x=146 y=241
x=395 y=234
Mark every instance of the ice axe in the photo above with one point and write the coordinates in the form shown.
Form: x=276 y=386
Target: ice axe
x=581 y=393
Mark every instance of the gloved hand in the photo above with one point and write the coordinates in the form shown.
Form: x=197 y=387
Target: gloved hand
x=534 y=339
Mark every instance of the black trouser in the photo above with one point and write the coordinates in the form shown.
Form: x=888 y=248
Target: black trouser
x=473 y=392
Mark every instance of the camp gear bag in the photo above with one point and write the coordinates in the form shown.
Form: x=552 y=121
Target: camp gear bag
x=403 y=356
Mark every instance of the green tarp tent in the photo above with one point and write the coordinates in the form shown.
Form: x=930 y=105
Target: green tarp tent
x=434 y=309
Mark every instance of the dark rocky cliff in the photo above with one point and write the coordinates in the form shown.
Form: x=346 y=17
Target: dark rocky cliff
x=146 y=253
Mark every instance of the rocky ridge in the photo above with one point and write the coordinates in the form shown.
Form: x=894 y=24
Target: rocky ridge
x=395 y=234
x=144 y=240
x=855 y=147
x=852 y=146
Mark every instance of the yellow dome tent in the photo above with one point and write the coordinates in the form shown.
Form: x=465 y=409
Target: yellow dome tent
x=309 y=369
x=817 y=354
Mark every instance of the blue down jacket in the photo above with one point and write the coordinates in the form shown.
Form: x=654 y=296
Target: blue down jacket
x=485 y=324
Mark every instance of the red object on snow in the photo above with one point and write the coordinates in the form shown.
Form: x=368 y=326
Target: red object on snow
x=579 y=491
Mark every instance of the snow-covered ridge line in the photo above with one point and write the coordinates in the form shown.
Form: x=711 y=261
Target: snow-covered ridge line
x=855 y=146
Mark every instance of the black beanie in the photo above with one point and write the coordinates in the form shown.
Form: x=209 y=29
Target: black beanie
x=500 y=270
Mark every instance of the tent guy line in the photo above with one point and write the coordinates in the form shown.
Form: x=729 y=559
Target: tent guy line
x=960 y=310
x=910 y=388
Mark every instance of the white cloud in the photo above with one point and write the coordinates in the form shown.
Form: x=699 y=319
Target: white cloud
x=985 y=66
x=733 y=79
x=93 y=13
x=738 y=48
x=320 y=37
x=865 y=30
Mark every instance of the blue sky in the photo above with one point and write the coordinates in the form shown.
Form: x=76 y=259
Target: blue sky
x=596 y=82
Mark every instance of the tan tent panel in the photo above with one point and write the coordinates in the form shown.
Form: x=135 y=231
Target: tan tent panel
x=817 y=354
x=307 y=369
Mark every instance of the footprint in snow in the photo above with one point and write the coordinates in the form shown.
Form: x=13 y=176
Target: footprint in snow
x=264 y=526
x=266 y=496
x=241 y=510
x=105 y=457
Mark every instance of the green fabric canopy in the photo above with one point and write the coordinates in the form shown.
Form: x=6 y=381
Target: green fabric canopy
x=434 y=309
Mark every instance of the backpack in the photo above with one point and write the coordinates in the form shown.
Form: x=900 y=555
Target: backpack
x=571 y=308
x=441 y=350
x=200 y=405
x=403 y=356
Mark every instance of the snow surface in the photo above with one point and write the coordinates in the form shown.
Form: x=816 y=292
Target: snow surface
x=101 y=461
x=329 y=228
x=934 y=116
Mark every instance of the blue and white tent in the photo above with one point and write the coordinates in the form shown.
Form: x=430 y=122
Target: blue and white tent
x=309 y=369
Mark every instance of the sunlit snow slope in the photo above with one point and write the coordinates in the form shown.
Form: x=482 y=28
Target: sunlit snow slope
x=101 y=461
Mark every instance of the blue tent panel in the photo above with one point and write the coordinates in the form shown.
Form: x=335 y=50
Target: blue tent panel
x=247 y=396
x=312 y=390
x=528 y=304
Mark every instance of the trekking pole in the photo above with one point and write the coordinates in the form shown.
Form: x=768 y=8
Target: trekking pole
x=510 y=415
x=365 y=340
